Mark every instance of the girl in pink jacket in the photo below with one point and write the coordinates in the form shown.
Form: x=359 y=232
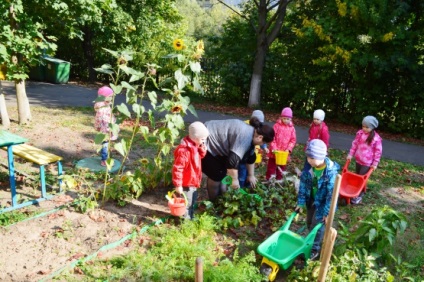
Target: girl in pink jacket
x=284 y=140
x=103 y=118
x=366 y=148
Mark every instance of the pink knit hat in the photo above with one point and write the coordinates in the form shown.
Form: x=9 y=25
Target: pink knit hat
x=105 y=91
x=287 y=112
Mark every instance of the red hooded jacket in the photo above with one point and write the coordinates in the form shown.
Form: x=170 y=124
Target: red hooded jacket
x=319 y=132
x=187 y=169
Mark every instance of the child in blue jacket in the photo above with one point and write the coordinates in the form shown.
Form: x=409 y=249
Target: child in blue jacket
x=316 y=189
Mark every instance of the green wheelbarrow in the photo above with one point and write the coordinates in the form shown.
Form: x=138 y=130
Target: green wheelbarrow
x=284 y=246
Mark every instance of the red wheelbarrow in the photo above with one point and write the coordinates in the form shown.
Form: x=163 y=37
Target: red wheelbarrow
x=353 y=184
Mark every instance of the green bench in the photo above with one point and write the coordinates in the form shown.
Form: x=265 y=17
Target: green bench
x=41 y=158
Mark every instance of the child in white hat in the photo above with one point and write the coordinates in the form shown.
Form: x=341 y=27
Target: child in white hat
x=103 y=118
x=367 y=149
x=187 y=168
x=319 y=129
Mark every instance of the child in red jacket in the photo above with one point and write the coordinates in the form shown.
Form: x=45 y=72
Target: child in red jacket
x=319 y=129
x=187 y=168
x=284 y=140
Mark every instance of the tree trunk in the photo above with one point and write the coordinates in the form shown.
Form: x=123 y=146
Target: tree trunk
x=87 y=47
x=3 y=112
x=24 y=111
x=266 y=32
x=261 y=49
x=256 y=80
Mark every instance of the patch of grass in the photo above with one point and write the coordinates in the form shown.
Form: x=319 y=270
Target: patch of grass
x=12 y=217
x=168 y=253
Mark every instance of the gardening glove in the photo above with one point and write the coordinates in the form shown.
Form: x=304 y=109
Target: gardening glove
x=179 y=190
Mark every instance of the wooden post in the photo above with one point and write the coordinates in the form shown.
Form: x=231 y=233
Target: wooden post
x=199 y=270
x=326 y=255
x=330 y=217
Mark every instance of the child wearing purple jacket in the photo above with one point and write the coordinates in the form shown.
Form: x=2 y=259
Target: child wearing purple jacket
x=366 y=148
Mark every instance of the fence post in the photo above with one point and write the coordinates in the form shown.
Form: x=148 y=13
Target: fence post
x=199 y=270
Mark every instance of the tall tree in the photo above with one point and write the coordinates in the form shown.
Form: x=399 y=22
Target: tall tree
x=21 y=45
x=270 y=19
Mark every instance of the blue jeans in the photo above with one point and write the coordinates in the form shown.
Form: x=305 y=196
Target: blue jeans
x=191 y=194
x=103 y=151
x=242 y=174
x=311 y=222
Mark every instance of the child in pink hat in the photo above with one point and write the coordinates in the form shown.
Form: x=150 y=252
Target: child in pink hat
x=102 y=119
x=284 y=140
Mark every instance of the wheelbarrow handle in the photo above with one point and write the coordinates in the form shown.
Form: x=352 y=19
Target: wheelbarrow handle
x=286 y=226
x=173 y=195
x=346 y=166
x=368 y=174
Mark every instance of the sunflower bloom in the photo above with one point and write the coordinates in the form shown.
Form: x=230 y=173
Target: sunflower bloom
x=122 y=61
x=176 y=109
x=200 y=45
x=144 y=161
x=178 y=44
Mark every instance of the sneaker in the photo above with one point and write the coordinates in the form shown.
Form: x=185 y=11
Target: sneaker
x=103 y=163
x=356 y=200
x=265 y=269
x=314 y=255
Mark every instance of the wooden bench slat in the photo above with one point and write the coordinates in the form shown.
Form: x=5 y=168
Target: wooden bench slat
x=34 y=154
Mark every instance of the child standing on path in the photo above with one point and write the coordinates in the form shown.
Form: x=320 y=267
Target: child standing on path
x=187 y=169
x=316 y=189
x=367 y=149
x=103 y=117
x=242 y=169
x=319 y=129
x=284 y=140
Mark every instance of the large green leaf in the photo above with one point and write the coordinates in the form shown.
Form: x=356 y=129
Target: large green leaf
x=182 y=80
x=122 y=108
x=121 y=147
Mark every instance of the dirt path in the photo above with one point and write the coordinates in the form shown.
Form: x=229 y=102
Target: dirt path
x=37 y=248
x=34 y=249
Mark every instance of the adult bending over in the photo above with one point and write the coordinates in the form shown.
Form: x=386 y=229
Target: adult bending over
x=230 y=142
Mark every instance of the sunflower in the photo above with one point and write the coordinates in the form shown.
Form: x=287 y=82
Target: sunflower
x=178 y=44
x=176 y=109
x=200 y=45
x=144 y=161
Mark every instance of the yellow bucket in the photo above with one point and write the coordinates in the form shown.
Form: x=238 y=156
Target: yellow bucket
x=258 y=157
x=281 y=157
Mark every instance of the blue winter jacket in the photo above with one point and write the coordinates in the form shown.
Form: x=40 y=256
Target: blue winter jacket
x=325 y=188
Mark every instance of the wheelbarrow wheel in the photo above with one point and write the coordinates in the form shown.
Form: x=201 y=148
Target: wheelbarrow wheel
x=342 y=202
